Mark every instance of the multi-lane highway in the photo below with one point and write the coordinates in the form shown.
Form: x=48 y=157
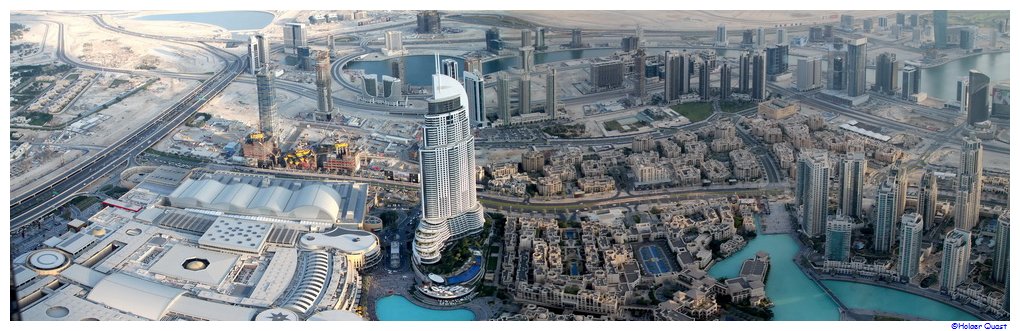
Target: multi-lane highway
x=46 y=196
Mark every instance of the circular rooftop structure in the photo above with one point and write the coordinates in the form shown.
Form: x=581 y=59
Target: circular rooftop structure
x=195 y=264
x=48 y=261
x=277 y=314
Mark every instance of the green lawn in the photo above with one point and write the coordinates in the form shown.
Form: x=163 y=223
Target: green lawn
x=695 y=111
x=84 y=202
x=735 y=106
x=38 y=118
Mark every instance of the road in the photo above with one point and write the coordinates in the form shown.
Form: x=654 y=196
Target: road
x=42 y=199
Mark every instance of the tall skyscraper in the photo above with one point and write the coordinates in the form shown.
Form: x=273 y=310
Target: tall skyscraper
x=450 y=209
x=640 y=84
x=503 y=96
x=852 y=170
x=927 y=197
x=744 y=72
x=857 y=53
x=323 y=86
x=1000 y=273
x=720 y=36
x=968 y=190
x=912 y=226
x=837 y=70
x=883 y=22
x=331 y=44
x=955 y=260
x=677 y=76
x=429 y=21
x=550 y=93
x=780 y=36
x=527 y=58
x=703 y=80
x=910 y=80
x=540 y=39
x=940 y=20
x=475 y=86
x=967 y=35
x=778 y=59
x=889 y=204
x=450 y=67
x=809 y=73
x=294 y=37
x=524 y=94
x=901 y=19
x=492 y=41
x=725 y=81
x=758 y=76
x=867 y=24
x=977 y=97
x=837 y=239
x=760 y=37
x=846 y=22
x=747 y=38
x=258 y=52
x=886 y=73
x=266 y=95
x=527 y=38
x=812 y=190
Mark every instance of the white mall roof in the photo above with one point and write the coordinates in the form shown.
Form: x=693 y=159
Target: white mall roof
x=134 y=295
x=345 y=240
x=172 y=265
x=236 y=235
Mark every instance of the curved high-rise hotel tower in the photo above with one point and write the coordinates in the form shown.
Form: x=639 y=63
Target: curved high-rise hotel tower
x=450 y=209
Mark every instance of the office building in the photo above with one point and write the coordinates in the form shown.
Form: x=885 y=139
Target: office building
x=955 y=260
x=758 y=61
x=867 y=24
x=910 y=79
x=640 y=83
x=846 y=22
x=475 y=86
x=977 y=98
x=968 y=190
x=759 y=41
x=540 y=39
x=914 y=20
x=837 y=71
x=629 y=43
x=524 y=94
x=883 y=22
x=266 y=95
x=856 y=65
x=392 y=89
x=323 y=87
x=744 y=71
x=331 y=44
x=677 y=77
x=927 y=197
x=967 y=35
x=1000 y=100
x=575 y=39
x=429 y=22
x=720 y=36
x=778 y=59
x=816 y=34
x=940 y=19
x=294 y=37
x=394 y=43
x=527 y=38
x=371 y=84
x=962 y=92
x=838 y=239
x=703 y=81
x=886 y=73
x=606 y=75
x=852 y=171
x=550 y=93
x=493 y=43
x=809 y=73
x=725 y=81
x=1000 y=271
x=912 y=226
x=503 y=96
x=780 y=36
x=812 y=190
x=450 y=68
x=450 y=208
x=258 y=53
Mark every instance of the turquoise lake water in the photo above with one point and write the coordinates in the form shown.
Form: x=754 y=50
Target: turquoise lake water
x=230 y=20
x=398 y=308
x=864 y=296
